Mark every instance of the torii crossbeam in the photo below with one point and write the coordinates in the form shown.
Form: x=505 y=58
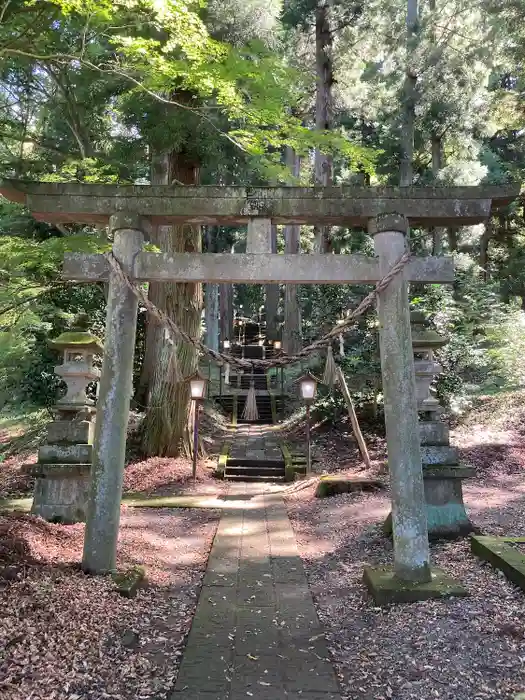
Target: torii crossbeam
x=387 y=212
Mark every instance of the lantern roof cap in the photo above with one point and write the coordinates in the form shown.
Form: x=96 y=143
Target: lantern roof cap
x=80 y=340
x=427 y=338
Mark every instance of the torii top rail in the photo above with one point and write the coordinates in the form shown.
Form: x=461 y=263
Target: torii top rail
x=130 y=210
x=351 y=206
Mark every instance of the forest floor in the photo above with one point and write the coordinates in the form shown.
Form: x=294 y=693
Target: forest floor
x=67 y=636
x=462 y=649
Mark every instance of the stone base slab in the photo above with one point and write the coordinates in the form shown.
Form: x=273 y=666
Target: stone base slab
x=503 y=553
x=332 y=485
x=386 y=589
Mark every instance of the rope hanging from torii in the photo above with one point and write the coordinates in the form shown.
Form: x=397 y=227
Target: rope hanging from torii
x=279 y=361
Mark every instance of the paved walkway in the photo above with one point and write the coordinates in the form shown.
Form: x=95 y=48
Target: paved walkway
x=255 y=442
x=255 y=633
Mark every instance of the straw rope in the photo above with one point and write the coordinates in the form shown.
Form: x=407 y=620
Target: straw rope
x=277 y=361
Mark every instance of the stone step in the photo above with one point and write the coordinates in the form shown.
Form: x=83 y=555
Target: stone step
x=254 y=471
x=253 y=463
x=244 y=477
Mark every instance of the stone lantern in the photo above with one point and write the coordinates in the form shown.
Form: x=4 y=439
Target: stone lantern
x=64 y=463
x=424 y=343
x=442 y=473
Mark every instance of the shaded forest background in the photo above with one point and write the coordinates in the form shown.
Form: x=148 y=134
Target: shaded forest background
x=246 y=92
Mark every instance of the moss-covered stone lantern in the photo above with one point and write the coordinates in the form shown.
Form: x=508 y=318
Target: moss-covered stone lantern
x=64 y=463
x=442 y=473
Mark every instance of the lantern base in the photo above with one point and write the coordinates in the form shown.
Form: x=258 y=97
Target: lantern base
x=61 y=492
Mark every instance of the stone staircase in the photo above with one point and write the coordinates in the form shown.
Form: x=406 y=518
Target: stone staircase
x=255 y=455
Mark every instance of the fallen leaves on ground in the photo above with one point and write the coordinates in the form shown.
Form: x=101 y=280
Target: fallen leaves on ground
x=461 y=649
x=68 y=636
x=167 y=476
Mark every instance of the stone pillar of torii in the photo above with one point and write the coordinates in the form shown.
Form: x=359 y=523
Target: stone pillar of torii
x=129 y=211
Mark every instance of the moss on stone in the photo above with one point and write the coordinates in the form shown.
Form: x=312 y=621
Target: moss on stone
x=128 y=582
x=79 y=339
x=499 y=553
x=171 y=501
x=223 y=459
x=387 y=589
x=334 y=484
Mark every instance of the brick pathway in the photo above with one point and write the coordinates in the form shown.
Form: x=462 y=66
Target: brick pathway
x=255 y=633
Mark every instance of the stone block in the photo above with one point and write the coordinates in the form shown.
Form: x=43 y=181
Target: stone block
x=386 y=589
x=70 y=432
x=332 y=485
x=128 y=582
x=433 y=433
x=70 y=454
x=58 y=471
x=504 y=553
x=437 y=455
x=61 y=493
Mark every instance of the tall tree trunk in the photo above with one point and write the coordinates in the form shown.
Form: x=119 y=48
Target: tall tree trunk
x=272 y=299
x=169 y=419
x=484 y=249
x=292 y=335
x=323 y=173
x=226 y=311
x=159 y=175
x=406 y=175
x=438 y=232
x=211 y=294
x=453 y=238
x=212 y=315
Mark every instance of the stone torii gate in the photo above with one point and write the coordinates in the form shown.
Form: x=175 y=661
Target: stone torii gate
x=129 y=211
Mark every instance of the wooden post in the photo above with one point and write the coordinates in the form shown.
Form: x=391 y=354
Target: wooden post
x=109 y=446
x=353 y=418
x=411 y=550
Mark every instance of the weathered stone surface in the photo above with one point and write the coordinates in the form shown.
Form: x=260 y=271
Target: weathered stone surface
x=70 y=432
x=251 y=267
x=61 y=495
x=433 y=433
x=332 y=485
x=432 y=455
x=411 y=549
x=442 y=206
x=259 y=236
x=65 y=454
x=129 y=581
x=58 y=470
x=386 y=589
x=504 y=554
x=109 y=444
x=444 y=506
x=255 y=632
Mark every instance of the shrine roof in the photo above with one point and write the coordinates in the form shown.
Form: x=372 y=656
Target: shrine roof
x=353 y=206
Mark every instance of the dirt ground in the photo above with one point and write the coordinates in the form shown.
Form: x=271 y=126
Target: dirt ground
x=461 y=649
